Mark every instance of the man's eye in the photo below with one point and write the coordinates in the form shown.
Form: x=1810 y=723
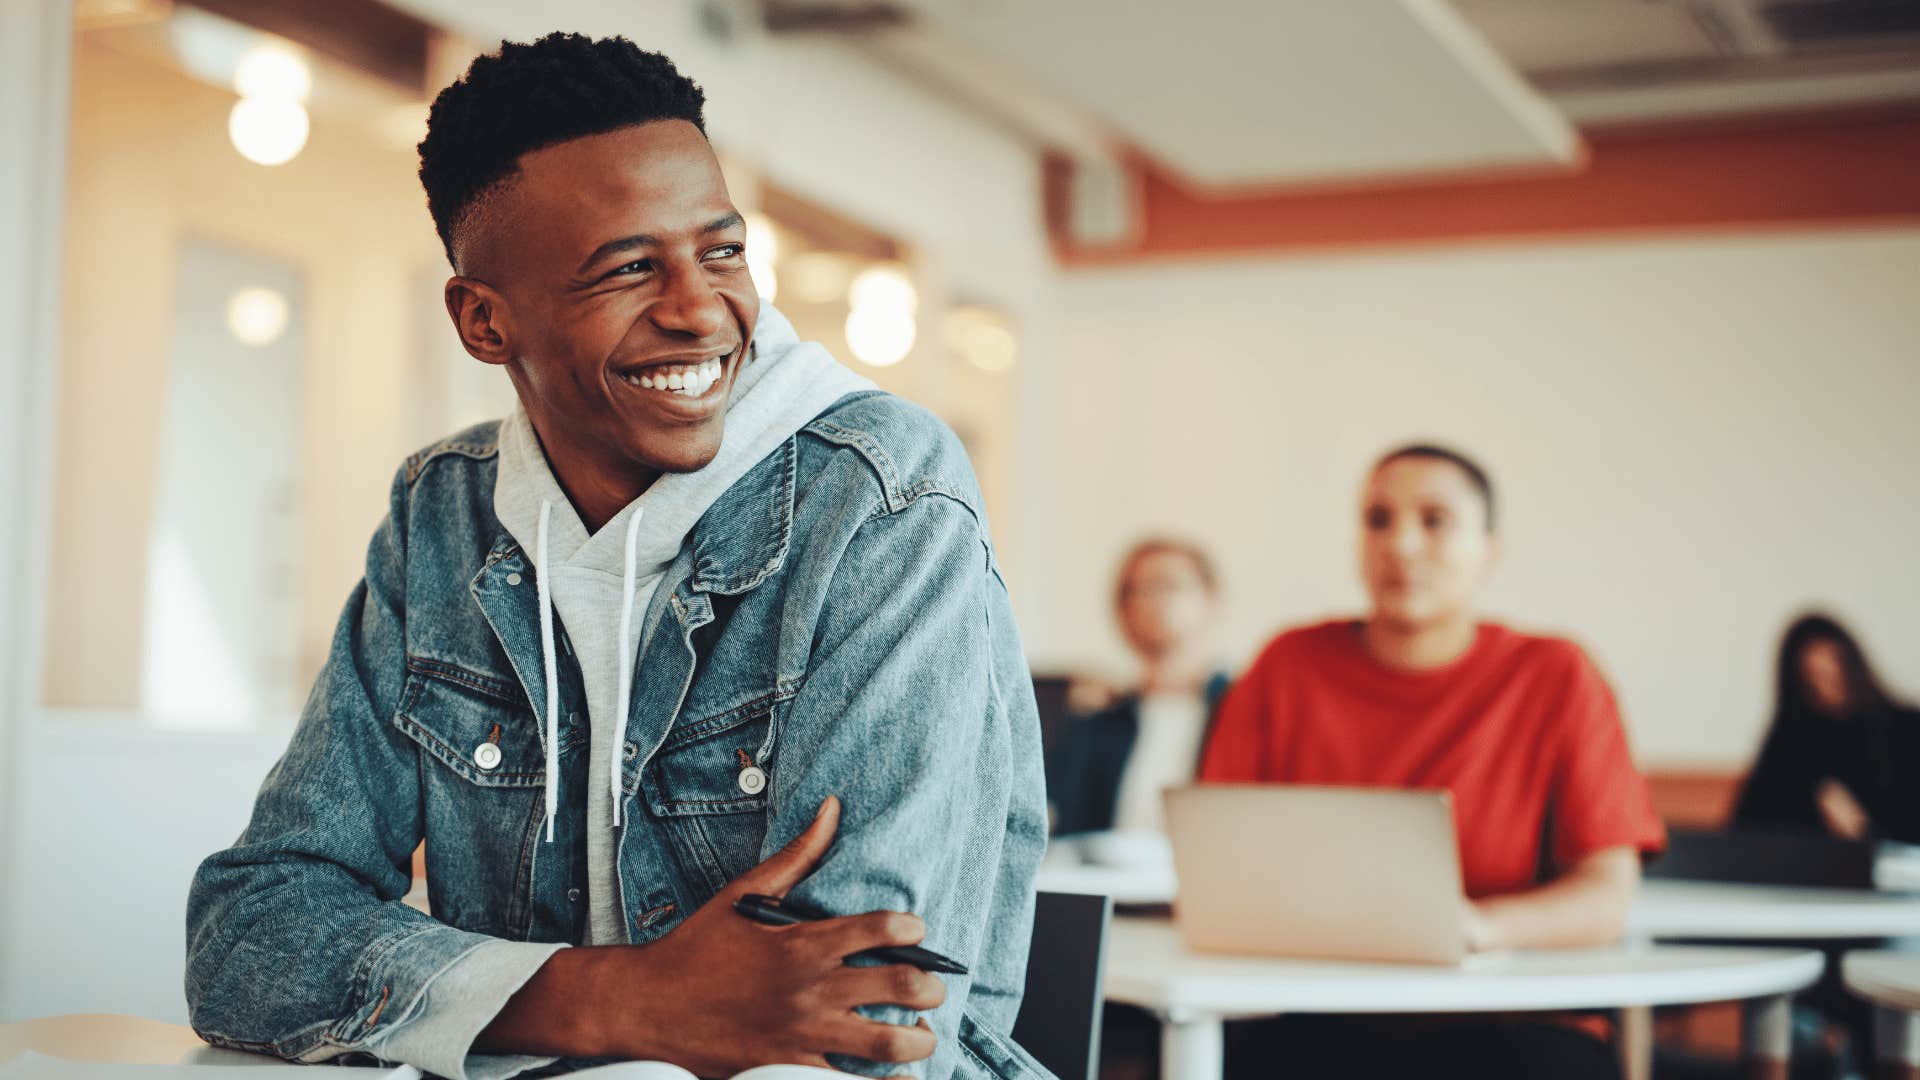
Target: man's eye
x=637 y=266
x=727 y=251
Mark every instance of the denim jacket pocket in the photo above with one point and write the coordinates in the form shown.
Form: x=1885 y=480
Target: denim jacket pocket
x=456 y=714
x=723 y=764
x=483 y=790
x=709 y=786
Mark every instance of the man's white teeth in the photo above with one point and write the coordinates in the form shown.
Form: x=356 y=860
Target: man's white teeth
x=689 y=380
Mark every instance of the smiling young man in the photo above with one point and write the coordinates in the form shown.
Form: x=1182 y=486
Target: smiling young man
x=1422 y=693
x=707 y=616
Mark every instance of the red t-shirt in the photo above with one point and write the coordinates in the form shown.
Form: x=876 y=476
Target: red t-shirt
x=1521 y=729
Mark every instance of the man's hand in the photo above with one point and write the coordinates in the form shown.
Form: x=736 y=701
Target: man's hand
x=721 y=993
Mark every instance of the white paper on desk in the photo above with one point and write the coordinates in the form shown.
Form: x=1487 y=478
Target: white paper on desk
x=32 y=1066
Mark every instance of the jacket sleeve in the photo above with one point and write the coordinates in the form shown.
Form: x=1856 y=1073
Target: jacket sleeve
x=917 y=711
x=298 y=944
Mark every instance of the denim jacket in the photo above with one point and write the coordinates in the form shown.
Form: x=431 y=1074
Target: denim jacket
x=837 y=619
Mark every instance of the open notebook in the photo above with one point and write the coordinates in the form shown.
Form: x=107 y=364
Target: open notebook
x=32 y=1066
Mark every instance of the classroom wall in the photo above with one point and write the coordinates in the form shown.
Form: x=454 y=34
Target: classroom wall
x=1694 y=436
x=151 y=166
x=33 y=61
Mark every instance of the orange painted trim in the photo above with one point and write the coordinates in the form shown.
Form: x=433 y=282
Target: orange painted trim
x=1853 y=170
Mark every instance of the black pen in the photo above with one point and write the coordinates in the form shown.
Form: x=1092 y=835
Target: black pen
x=775 y=911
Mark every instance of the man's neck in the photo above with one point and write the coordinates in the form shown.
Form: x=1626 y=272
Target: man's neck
x=1182 y=670
x=597 y=490
x=1420 y=647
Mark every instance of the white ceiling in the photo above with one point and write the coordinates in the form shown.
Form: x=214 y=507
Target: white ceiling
x=1230 y=92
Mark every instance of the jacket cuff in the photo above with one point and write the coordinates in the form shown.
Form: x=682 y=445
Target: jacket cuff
x=434 y=1026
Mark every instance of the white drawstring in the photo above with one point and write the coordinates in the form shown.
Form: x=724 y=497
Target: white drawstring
x=627 y=584
x=552 y=665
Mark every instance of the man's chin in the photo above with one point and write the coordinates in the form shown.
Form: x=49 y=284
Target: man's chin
x=678 y=459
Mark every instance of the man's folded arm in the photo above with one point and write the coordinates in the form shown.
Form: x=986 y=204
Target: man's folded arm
x=905 y=714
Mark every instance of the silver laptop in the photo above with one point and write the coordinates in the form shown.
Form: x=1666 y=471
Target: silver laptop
x=1343 y=873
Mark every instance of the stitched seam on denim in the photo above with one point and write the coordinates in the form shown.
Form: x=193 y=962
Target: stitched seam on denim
x=683 y=733
x=752 y=802
x=458 y=761
x=474 y=451
x=979 y=525
x=876 y=457
x=736 y=583
x=498 y=689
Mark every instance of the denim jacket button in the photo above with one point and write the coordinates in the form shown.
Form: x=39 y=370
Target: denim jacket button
x=573 y=896
x=513 y=579
x=486 y=755
x=752 y=780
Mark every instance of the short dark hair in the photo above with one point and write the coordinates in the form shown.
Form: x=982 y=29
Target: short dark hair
x=1435 y=452
x=1155 y=545
x=529 y=96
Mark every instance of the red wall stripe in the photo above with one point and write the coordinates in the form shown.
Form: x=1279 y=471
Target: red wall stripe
x=1858 y=170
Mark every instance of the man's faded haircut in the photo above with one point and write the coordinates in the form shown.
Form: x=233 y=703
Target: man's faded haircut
x=529 y=96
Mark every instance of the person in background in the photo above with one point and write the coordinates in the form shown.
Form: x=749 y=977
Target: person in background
x=1553 y=818
x=1108 y=768
x=1841 y=755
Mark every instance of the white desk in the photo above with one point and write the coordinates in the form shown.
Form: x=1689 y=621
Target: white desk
x=1688 y=909
x=130 y=1040
x=1891 y=981
x=1127 y=885
x=1195 y=993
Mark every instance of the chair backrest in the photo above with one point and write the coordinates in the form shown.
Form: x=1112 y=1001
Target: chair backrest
x=1059 y=1021
x=1050 y=698
x=1765 y=857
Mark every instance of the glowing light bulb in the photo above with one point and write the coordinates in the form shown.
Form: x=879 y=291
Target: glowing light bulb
x=273 y=72
x=880 y=335
x=268 y=131
x=257 y=316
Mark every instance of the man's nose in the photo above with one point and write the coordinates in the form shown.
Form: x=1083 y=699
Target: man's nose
x=690 y=306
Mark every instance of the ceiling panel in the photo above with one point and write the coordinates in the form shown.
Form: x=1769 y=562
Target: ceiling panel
x=1231 y=93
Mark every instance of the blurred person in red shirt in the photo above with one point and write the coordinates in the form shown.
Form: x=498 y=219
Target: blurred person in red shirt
x=1552 y=816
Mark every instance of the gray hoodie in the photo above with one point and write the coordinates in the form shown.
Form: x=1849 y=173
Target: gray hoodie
x=599 y=585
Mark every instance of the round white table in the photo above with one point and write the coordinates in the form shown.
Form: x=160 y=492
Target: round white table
x=1891 y=981
x=1195 y=993
x=1700 y=909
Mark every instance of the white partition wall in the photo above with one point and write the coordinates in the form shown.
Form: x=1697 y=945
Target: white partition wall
x=33 y=115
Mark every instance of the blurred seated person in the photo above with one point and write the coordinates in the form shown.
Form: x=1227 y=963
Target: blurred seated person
x=1841 y=754
x=1107 y=768
x=1552 y=816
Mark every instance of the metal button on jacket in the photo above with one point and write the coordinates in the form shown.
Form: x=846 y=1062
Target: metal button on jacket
x=752 y=780
x=486 y=755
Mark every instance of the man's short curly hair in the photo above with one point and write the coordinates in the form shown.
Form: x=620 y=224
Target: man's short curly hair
x=528 y=96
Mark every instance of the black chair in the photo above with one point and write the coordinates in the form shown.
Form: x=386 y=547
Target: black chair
x=1059 y=1021
x=1765 y=857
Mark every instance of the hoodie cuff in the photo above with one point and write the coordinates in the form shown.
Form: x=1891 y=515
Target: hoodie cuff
x=458 y=1004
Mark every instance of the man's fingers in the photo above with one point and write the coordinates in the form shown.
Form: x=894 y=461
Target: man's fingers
x=891 y=984
x=862 y=1038
x=791 y=864
x=842 y=937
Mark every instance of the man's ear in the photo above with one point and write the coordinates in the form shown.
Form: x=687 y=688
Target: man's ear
x=1496 y=554
x=480 y=317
